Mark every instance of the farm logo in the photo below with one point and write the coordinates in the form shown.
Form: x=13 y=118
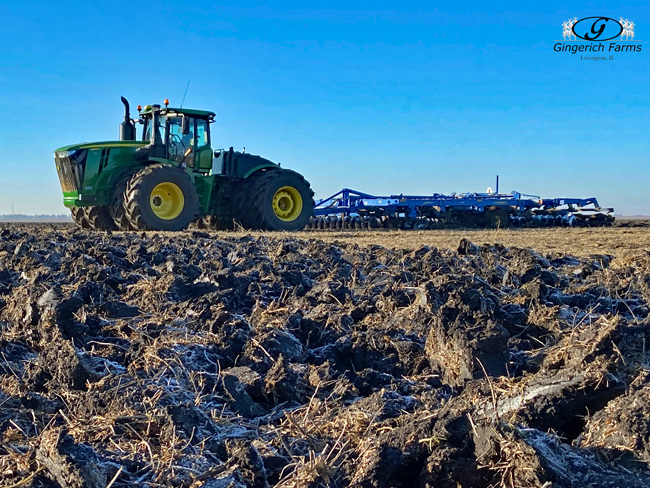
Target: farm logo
x=597 y=30
x=593 y=28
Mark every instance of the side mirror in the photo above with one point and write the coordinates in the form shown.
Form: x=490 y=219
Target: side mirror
x=185 y=125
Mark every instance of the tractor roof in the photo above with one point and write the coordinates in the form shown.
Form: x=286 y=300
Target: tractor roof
x=188 y=111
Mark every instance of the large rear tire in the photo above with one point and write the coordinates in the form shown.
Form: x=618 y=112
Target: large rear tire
x=160 y=197
x=275 y=199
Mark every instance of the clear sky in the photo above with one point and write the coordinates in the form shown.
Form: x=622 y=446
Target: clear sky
x=384 y=97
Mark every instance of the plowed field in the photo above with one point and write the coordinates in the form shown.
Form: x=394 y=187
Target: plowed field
x=514 y=358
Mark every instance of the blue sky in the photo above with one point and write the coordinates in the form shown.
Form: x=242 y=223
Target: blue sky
x=384 y=97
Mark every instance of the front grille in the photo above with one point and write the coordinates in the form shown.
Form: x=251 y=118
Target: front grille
x=70 y=168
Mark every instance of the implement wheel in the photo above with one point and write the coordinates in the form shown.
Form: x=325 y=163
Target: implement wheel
x=496 y=218
x=274 y=200
x=160 y=197
x=421 y=224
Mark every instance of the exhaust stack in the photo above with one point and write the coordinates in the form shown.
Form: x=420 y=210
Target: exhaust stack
x=127 y=128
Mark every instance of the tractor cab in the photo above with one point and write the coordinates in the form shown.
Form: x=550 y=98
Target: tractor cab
x=184 y=134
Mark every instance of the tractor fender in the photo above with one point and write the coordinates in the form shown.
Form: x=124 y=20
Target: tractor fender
x=244 y=165
x=254 y=170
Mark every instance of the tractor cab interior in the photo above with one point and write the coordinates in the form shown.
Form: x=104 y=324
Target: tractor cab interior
x=186 y=137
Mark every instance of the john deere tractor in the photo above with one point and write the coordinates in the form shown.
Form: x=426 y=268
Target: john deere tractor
x=173 y=176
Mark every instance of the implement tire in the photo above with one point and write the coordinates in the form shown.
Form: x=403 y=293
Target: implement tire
x=276 y=199
x=160 y=197
x=99 y=218
x=79 y=217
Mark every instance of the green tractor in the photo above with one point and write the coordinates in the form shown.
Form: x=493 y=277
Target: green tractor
x=173 y=177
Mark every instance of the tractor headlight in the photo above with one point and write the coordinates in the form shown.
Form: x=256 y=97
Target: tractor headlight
x=65 y=154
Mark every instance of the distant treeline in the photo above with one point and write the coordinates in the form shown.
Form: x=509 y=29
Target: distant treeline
x=35 y=217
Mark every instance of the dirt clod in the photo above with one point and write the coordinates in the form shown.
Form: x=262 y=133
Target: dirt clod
x=71 y=464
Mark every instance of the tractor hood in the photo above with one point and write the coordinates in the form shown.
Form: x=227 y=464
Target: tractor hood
x=90 y=145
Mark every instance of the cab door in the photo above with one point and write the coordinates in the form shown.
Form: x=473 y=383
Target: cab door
x=203 y=150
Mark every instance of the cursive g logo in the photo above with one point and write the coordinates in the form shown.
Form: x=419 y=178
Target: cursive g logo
x=593 y=29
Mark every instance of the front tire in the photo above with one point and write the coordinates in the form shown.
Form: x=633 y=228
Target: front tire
x=160 y=197
x=117 y=210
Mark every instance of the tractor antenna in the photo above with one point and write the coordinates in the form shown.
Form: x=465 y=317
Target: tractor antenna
x=186 y=88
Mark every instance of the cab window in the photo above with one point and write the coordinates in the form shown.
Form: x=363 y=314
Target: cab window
x=202 y=133
x=179 y=143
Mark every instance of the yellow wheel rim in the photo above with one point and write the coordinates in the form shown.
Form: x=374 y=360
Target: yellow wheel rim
x=287 y=203
x=167 y=200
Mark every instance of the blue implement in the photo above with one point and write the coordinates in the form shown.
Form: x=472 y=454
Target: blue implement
x=473 y=209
